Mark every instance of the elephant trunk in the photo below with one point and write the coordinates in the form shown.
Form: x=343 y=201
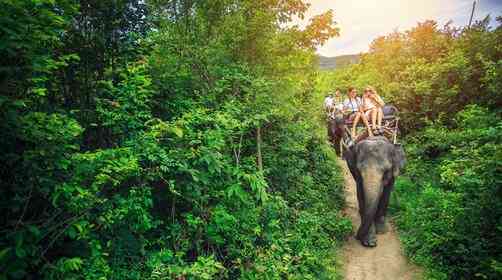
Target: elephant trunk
x=337 y=126
x=339 y=120
x=372 y=187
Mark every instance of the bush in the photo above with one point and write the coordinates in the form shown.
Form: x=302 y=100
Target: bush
x=130 y=142
x=449 y=218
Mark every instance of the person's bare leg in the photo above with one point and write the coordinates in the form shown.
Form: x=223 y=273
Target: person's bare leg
x=365 y=121
x=380 y=117
x=374 y=116
x=374 y=113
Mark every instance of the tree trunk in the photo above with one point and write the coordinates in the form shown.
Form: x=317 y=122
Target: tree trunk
x=258 y=149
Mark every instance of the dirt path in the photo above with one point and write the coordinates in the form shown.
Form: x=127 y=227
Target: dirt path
x=383 y=262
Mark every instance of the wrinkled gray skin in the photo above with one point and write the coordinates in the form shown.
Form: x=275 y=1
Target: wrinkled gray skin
x=374 y=163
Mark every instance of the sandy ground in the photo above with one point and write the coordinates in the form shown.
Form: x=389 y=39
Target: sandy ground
x=385 y=261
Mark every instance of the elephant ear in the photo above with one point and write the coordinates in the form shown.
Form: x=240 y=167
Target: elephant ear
x=350 y=156
x=398 y=159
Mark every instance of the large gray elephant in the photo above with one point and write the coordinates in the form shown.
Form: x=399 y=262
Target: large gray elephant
x=374 y=163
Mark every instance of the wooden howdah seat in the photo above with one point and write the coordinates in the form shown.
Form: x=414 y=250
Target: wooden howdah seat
x=390 y=128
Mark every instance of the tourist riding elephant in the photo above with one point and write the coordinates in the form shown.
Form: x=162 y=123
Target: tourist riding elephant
x=374 y=163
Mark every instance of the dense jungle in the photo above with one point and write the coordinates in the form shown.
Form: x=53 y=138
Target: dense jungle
x=181 y=139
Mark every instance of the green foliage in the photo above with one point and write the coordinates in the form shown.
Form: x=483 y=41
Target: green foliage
x=123 y=109
x=449 y=214
x=130 y=146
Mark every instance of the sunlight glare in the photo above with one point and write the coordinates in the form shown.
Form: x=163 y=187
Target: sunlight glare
x=373 y=18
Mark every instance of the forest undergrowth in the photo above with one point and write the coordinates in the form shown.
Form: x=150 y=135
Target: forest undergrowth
x=164 y=140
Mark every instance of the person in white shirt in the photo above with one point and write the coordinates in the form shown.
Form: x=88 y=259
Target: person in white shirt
x=328 y=103
x=353 y=106
x=333 y=102
x=337 y=100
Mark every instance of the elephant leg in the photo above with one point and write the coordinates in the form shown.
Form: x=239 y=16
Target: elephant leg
x=380 y=221
x=381 y=211
x=366 y=232
x=367 y=237
x=381 y=227
x=371 y=240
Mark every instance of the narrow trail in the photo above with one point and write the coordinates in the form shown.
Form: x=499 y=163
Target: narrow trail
x=384 y=262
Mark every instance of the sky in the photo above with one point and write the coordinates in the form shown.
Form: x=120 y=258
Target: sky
x=362 y=21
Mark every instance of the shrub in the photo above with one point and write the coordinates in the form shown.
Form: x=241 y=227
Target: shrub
x=450 y=221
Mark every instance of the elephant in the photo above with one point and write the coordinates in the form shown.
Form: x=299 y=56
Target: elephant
x=336 y=129
x=374 y=162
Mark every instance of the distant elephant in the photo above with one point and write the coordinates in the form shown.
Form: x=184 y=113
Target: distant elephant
x=336 y=129
x=374 y=163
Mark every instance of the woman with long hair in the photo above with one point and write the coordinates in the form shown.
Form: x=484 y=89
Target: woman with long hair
x=372 y=107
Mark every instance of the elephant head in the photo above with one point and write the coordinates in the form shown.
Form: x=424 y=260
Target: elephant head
x=374 y=163
x=336 y=128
